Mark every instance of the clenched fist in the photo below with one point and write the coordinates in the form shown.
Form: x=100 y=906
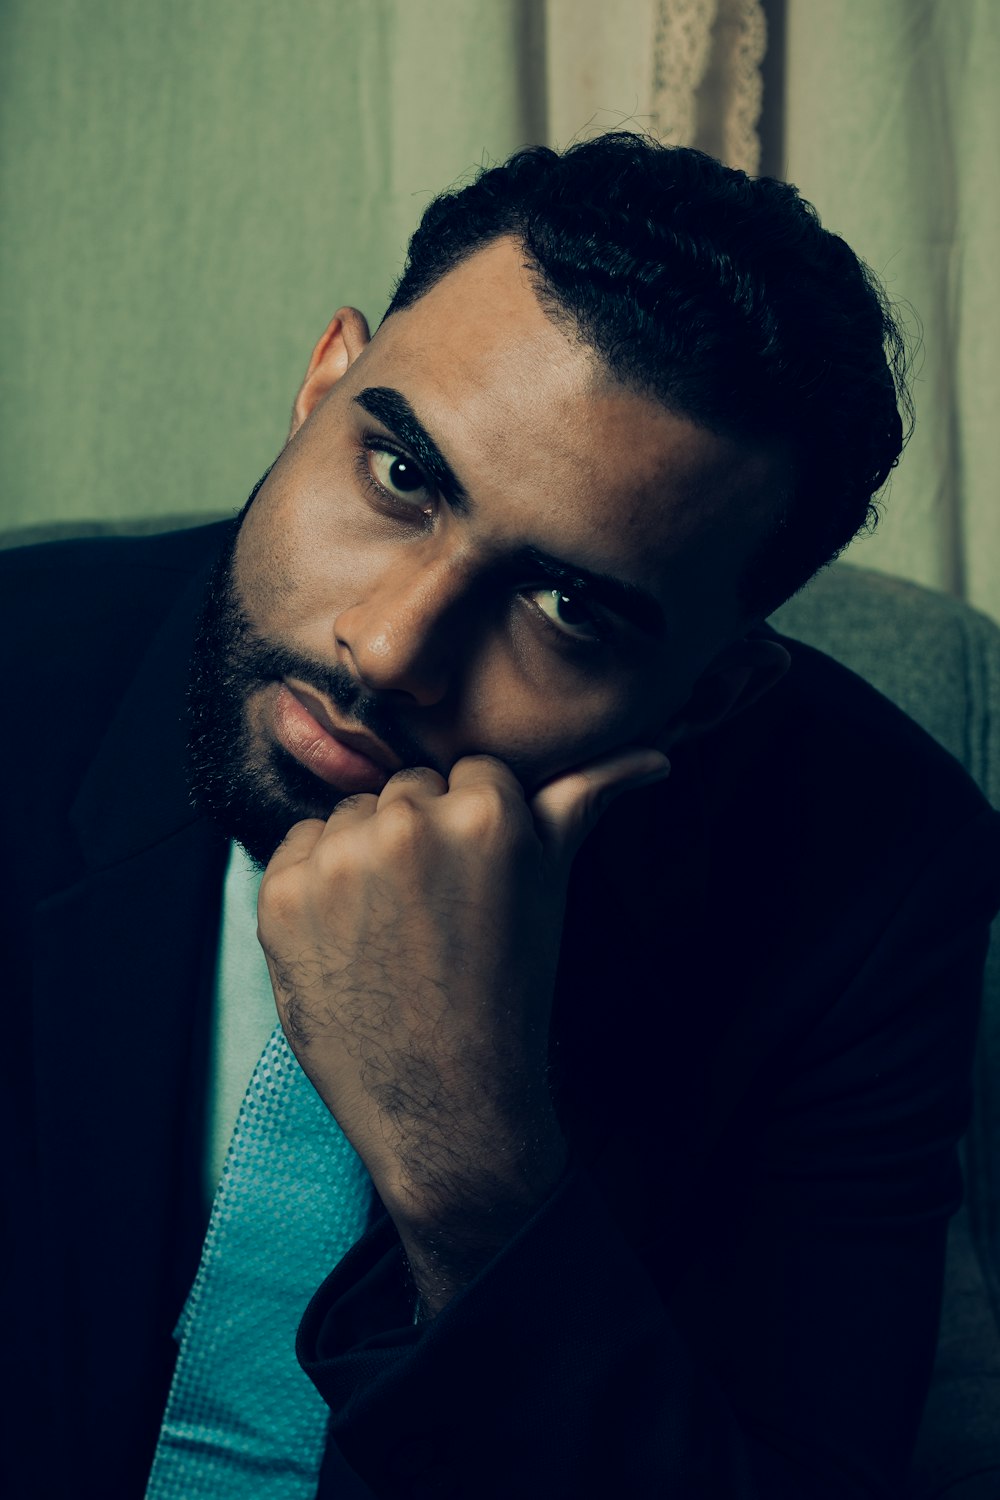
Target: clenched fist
x=412 y=941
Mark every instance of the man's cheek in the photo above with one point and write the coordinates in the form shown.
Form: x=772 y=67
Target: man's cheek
x=578 y=743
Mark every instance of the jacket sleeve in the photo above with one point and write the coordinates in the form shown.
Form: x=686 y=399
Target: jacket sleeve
x=790 y=1361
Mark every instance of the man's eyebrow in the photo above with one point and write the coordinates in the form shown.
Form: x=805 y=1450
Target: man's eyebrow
x=629 y=600
x=392 y=409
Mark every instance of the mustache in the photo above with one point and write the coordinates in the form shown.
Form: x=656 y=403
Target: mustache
x=269 y=661
x=247 y=660
x=250 y=661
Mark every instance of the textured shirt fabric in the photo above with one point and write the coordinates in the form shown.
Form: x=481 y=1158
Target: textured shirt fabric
x=293 y=1197
x=244 y=1014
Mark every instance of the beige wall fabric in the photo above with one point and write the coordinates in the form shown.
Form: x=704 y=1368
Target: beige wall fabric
x=687 y=70
x=599 y=62
x=892 y=124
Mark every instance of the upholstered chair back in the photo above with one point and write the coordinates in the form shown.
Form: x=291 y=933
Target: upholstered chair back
x=939 y=661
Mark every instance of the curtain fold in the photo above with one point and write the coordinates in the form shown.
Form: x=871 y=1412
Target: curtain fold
x=892 y=121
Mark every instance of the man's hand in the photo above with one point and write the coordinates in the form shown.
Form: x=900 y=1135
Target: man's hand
x=412 y=941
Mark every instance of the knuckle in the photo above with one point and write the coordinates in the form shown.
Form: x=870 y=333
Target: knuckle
x=483 y=812
x=356 y=800
x=423 y=774
x=400 y=820
x=279 y=898
x=489 y=773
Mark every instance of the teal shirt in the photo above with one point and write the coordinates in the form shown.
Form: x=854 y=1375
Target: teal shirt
x=244 y=1013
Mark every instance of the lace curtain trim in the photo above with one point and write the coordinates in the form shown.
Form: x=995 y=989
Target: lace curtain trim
x=706 y=82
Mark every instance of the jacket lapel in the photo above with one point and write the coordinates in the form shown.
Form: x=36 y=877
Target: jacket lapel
x=125 y=969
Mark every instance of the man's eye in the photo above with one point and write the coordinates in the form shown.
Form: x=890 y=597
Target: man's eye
x=567 y=613
x=399 y=476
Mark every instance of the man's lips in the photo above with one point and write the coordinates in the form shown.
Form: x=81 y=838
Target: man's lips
x=350 y=760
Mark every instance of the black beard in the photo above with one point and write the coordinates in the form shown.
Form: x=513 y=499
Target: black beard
x=256 y=798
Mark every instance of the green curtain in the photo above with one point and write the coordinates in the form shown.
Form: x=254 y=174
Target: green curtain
x=188 y=192
x=892 y=127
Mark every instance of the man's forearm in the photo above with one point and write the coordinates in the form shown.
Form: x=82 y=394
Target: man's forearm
x=448 y=1246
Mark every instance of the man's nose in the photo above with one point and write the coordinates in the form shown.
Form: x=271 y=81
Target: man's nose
x=407 y=632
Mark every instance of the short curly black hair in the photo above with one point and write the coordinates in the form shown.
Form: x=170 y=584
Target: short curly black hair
x=721 y=295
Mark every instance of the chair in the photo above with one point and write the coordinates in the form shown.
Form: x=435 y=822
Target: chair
x=939 y=661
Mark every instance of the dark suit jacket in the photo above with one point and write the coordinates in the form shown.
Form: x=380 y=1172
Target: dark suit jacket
x=763 y=1027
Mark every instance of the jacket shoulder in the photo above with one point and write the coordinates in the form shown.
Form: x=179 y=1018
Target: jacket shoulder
x=76 y=621
x=71 y=601
x=98 y=576
x=866 y=748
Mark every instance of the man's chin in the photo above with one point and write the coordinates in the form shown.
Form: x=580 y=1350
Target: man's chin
x=257 y=806
x=239 y=774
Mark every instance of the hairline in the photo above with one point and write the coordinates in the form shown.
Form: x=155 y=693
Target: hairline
x=566 y=320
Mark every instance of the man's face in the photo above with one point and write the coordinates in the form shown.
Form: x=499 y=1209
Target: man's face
x=420 y=569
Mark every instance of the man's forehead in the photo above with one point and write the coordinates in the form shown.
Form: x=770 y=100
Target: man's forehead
x=479 y=346
x=481 y=335
x=538 y=431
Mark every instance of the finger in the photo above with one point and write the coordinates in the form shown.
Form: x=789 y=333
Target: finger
x=483 y=770
x=363 y=803
x=298 y=843
x=567 y=808
x=358 y=808
x=413 y=782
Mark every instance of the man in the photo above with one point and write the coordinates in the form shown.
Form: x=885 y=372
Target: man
x=659 y=1100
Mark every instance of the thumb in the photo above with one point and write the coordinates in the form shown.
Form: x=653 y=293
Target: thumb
x=567 y=808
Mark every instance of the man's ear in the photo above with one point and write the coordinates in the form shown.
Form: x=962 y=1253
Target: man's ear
x=740 y=674
x=345 y=338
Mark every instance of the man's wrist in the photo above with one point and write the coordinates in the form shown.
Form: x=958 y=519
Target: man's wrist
x=446 y=1249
